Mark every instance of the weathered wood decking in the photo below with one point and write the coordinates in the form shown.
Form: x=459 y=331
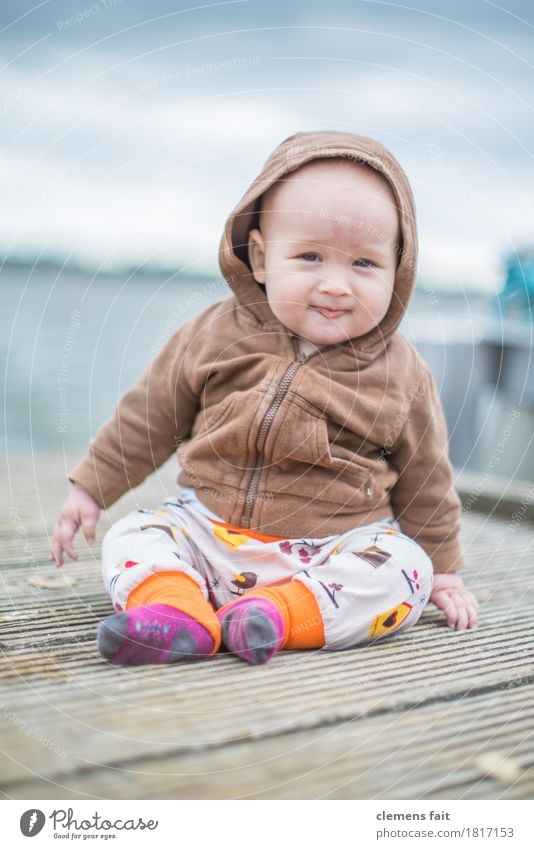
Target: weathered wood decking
x=431 y=714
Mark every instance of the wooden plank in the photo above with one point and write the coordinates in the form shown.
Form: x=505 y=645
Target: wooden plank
x=495 y=495
x=100 y=713
x=433 y=752
x=69 y=720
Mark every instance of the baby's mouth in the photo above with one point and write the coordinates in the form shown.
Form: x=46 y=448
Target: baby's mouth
x=328 y=313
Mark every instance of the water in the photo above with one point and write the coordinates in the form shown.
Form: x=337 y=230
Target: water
x=72 y=345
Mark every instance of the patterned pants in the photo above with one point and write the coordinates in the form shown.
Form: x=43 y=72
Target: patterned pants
x=369 y=582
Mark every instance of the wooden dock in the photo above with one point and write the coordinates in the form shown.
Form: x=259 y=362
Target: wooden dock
x=430 y=714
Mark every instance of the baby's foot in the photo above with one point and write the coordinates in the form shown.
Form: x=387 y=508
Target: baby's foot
x=252 y=629
x=153 y=633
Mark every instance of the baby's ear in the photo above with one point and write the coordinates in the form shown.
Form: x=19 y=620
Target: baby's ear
x=256 y=255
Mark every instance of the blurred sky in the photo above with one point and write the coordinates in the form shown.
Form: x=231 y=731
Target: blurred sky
x=130 y=129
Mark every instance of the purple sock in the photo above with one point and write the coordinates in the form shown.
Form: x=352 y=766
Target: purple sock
x=252 y=629
x=153 y=633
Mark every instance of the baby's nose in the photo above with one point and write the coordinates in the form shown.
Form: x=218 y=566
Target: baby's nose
x=334 y=284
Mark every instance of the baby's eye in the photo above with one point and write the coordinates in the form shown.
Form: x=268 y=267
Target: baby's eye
x=309 y=256
x=364 y=263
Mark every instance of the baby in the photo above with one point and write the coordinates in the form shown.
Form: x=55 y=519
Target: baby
x=317 y=507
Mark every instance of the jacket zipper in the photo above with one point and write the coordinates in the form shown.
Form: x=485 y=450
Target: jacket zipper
x=266 y=423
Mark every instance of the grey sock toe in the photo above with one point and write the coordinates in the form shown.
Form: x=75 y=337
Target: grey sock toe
x=261 y=635
x=253 y=639
x=183 y=647
x=111 y=633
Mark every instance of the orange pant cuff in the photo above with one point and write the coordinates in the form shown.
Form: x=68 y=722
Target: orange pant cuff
x=180 y=591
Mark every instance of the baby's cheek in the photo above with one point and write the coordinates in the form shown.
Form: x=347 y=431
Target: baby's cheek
x=286 y=313
x=379 y=305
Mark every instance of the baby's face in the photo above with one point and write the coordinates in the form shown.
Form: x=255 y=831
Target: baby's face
x=327 y=250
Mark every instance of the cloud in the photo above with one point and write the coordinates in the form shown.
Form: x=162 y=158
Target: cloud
x=132 y=145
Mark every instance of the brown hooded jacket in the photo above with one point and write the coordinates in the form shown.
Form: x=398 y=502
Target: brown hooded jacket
x=282 y=443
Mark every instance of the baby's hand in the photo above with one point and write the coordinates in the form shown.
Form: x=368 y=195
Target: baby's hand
x=460 y=606
x=78 y=509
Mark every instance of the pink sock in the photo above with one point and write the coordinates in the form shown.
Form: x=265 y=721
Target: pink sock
x=153 y=633
x=252 y=629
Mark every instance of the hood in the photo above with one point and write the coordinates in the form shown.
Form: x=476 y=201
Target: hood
x=293 y=152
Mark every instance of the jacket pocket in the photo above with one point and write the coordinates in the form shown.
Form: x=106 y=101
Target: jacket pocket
x=343 y=461
x=301 y=440
x=210 y=418
x=205 y=442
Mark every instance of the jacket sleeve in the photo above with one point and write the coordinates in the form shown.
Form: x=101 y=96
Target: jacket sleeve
x=424 y=500
x=145 y=429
